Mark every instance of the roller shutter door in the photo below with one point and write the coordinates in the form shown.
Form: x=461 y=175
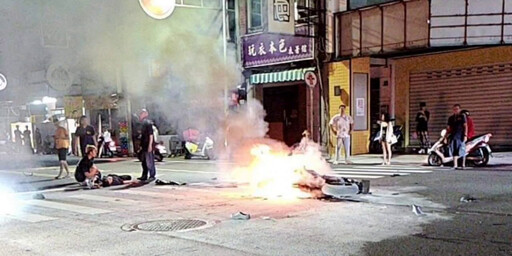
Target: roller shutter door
x=486 y=91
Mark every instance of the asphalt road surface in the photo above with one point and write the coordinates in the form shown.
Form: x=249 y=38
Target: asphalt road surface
x=195 y=219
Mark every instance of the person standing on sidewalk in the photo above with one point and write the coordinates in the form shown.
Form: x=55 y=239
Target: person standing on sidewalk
x=147 y=155
x=38 y=141
x=471 y=125
x=27 y=140
x=341 y=125
x=422 y=118
x=18 y=139
x=386 y=134
x=62 y=145
x=85 y=135
x=458 y=129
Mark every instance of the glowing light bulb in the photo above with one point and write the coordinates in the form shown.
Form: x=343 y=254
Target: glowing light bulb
x=158 y=9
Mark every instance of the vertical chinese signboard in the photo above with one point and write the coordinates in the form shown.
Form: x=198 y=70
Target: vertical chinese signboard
x=281 y=16
x=73 y=106
x=272 y=49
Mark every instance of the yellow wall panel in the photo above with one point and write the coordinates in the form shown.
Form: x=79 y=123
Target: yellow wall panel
x=340 y=75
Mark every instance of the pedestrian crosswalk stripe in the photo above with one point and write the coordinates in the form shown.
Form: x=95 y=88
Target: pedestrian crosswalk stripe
x=187 y=171
x=106 y=199
x=358 y=176
x=146 y=193
x=384 y=167
x=66 y=207
x=383 y=171
x=374 y=173
x=29 y=217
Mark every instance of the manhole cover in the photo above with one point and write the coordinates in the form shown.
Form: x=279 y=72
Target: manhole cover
x=171 y=225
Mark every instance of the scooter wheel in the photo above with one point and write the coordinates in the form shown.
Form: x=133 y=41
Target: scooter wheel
x=485 y=159
x=434 y=160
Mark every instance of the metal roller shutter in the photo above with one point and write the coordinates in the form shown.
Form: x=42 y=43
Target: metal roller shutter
x=486 y=91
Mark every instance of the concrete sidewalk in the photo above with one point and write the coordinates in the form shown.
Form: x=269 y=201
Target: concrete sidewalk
x=500 y=158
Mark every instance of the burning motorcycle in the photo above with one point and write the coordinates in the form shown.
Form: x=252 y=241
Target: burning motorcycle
x=478 y=151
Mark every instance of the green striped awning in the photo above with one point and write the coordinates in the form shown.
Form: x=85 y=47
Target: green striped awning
x=279 y=77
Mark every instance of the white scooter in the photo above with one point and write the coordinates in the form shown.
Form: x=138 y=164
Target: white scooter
x=477 y=151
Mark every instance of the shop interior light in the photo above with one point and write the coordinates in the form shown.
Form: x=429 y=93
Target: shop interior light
x=47 y=100
x=158 y=9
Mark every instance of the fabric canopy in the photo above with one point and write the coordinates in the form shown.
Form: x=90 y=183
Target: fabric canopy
x=279 y=77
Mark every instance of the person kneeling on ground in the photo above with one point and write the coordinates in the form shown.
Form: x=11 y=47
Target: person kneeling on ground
x=86 y=172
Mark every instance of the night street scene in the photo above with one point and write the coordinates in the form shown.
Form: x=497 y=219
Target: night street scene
x=255 y=127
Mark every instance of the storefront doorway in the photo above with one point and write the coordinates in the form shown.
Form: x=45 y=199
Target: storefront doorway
x=286 y=112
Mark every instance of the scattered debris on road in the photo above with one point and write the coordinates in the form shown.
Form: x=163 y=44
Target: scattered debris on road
x=39 y=196
x=417 y=210
x=467 y=199
x=240 y=216
x=170 y=183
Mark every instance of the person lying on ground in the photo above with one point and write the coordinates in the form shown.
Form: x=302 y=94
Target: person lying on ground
x=115 y=180
x=86 y=172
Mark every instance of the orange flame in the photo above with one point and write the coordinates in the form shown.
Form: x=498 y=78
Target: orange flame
x=273 y=172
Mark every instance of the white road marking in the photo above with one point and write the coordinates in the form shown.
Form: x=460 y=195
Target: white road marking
x=106 y=199
x=29 y=217
x=197 y=162
x=374 y=173
x=67 y=207
x=187 y=171
x=145 y=193
x=351 y=176
x=382 y=170
x=31 y=173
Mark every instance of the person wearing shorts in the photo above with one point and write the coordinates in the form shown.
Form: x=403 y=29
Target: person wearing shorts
x=458 y=129
x=62 y=145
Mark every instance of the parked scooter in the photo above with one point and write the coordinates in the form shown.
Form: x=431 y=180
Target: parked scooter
x=106 y=151
x=196 y=151
x=478 y=151
x=375 y=146
x=160 y=151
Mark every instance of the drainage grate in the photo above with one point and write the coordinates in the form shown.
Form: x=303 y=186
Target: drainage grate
x=171 y=225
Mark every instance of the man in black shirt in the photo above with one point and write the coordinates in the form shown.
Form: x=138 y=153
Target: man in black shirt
x=422 y=118
x=146 y=146
x=86 y=134
x=458 y=129
x=86 y=171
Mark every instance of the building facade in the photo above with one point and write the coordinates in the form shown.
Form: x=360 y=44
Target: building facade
x=280 y=42
x=435 y=52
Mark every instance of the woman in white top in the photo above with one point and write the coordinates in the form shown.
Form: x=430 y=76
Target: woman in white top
x=386 y=133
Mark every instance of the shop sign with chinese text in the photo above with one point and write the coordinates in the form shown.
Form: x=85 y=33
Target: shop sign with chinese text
x=270 y=49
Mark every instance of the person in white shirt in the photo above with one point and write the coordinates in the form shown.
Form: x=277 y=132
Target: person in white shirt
x=341 y=125
x=107 y=138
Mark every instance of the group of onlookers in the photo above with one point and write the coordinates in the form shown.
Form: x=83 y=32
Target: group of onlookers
x=460 y=128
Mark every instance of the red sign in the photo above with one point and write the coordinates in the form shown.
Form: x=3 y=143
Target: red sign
x=311 y=79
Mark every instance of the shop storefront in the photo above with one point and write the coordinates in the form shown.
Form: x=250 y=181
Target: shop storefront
x=277 y=65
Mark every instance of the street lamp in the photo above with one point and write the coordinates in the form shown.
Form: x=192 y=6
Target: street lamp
x=158 y=9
